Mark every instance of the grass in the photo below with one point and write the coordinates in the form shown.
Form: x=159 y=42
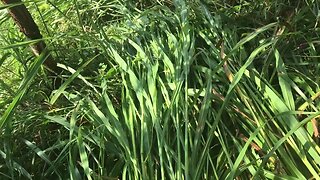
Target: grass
x=163 y=90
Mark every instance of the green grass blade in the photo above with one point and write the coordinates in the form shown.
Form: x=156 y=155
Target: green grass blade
x=41 y=154
x=32 y=72
x=69 y=80
x=284 y=82
x=17 y=166
x=83 y=155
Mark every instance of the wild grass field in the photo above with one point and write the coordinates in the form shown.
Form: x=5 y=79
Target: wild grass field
x=166 y=89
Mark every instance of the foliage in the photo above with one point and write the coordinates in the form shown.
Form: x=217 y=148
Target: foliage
x=164 y=90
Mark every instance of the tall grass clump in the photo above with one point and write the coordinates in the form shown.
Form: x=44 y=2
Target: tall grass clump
x=165 y=90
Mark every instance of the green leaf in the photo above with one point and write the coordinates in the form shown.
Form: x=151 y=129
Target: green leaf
x=284 y=82
x=83 y=156
x=31 y=73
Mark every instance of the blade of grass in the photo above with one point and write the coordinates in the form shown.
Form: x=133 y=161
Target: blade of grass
x=17 y=166
x=83 y=155
x=42 y=155
x=69 y=80
x=283 y=82
x=23 y=88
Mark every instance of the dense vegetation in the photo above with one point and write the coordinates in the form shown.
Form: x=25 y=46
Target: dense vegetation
x=163 y=90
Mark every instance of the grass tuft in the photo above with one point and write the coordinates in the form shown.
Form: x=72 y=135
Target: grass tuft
x=163 y=90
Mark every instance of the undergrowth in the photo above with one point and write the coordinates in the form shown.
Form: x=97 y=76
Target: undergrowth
x=163 y=90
